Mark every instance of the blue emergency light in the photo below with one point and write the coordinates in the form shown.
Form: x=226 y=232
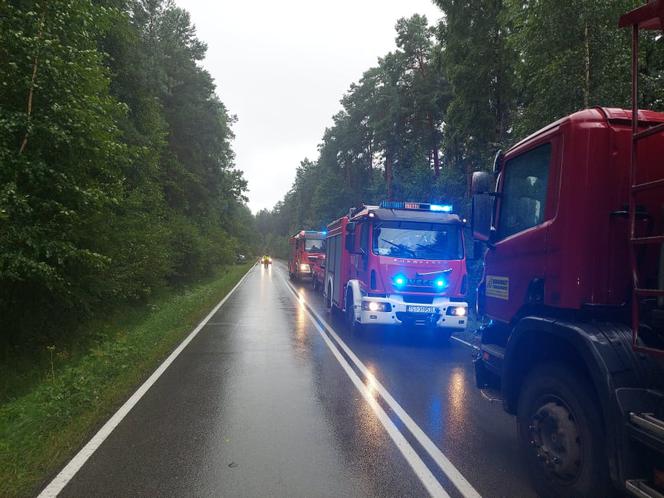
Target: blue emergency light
x=444 y=208
x=399 y=280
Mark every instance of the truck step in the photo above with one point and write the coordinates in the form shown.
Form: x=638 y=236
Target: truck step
x=493 y=356
x=648 y=429
x=641 y=489
x=494 y=350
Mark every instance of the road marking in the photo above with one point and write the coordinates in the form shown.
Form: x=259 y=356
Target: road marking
x=428 y=480
x=75 y=464
x=465 y=343
x=459 y=481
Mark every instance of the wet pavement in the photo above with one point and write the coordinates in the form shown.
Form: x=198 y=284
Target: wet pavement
x=274 y=397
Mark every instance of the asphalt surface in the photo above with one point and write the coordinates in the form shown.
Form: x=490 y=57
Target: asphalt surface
x=262 y=403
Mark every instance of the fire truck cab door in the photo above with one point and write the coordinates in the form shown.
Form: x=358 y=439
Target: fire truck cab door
x=516 y=264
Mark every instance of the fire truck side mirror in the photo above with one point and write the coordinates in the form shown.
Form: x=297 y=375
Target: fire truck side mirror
x=350 y=237
x=498 y=162
x=482 y=206
x=350 y=243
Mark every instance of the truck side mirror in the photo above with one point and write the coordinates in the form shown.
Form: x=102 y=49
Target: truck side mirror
x=350 y=242
x=498 y=162
x=482 y=206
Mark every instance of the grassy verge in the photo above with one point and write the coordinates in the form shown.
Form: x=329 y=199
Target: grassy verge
x=41 y=429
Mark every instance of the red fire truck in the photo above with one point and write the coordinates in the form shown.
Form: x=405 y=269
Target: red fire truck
x=306 y=248
x=398 y=263
x=573 y=295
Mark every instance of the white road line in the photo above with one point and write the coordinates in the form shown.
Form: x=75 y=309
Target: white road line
x=465 y=343
x=75 y=464
x=428 y=480
x=459 y=481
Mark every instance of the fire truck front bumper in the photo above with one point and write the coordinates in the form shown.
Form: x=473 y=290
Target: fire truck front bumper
x=392 y=310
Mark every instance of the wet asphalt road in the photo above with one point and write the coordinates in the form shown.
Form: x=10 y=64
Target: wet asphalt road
x=258 y=404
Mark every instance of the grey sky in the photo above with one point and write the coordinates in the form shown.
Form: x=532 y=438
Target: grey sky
x=283 y=66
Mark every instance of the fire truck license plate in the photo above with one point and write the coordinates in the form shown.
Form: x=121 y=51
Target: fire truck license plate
x=420 y=309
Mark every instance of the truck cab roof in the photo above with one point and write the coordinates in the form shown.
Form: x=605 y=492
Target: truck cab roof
x=611 y=115
x=422 y=216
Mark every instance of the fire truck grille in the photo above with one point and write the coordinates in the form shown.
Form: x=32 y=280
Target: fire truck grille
x=418 y=319
x=418 y=288
x=409 y=298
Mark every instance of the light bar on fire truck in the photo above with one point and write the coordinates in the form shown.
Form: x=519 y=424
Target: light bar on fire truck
x=417 y=206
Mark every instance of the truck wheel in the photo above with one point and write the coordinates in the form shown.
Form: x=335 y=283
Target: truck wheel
x=353 y=326
x=561 y=434
x=328 y=297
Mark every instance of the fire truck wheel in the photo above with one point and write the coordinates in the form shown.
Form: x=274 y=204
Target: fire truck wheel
x=353 y=325
x=328 y=298
x=561 y=434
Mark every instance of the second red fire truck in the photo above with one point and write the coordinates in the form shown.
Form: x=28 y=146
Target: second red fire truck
x=307 y=250
x=400 y=263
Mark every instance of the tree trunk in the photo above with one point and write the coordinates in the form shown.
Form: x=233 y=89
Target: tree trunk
x=388 y=175
x=434 y=147
x=33 y=79
x=586 y=89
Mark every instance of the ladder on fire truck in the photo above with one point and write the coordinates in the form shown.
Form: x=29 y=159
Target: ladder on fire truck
x=646 y=427
x=649 y=17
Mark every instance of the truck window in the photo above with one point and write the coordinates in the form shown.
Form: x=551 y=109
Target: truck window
x=417 y=240
x=524 y=191
x=314 y=245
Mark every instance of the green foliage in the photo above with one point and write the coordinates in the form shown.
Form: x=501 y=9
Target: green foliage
x=116 y=166
x=571 y=56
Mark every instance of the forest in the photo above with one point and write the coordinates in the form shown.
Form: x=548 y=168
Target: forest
x=453 y=93
x=117 y=175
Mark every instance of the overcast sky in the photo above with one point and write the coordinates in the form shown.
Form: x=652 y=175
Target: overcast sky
x=283 y=66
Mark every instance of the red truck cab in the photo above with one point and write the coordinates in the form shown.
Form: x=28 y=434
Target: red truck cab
x=307 y=249
x=398 y=263
x=573 y=295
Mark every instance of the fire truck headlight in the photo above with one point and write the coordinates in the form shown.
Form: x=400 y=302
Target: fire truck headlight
x=304 y=267
x=376 y=306
x=457 y=310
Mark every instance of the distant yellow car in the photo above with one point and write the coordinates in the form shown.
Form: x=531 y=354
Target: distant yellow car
x=266 y=260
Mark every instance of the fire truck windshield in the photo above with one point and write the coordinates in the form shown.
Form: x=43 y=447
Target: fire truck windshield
x=313 y=245
x=405 y=239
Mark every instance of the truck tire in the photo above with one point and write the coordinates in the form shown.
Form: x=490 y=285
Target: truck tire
x=329 y=303
x=354 y=327
x=561 y=434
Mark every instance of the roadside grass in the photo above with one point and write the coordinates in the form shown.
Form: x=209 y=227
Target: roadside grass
x=44 y=426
